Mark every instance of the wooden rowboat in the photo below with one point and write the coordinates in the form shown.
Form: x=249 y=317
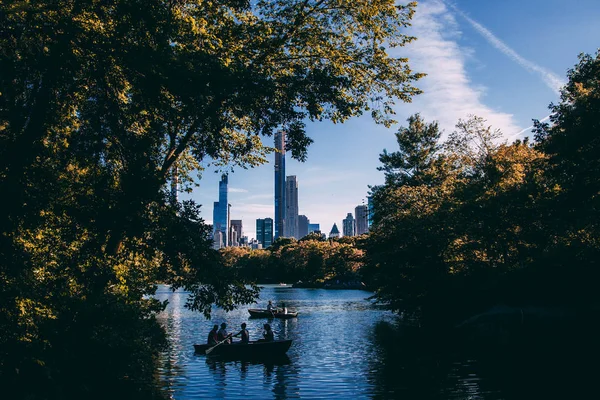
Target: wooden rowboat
x=261 y=313
x=252 y=350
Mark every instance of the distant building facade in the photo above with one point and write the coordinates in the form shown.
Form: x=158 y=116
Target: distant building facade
x=221 y=213
x=313 y=228
x=303 y=222
x=362 y=226
x=335 y=232
x=279 y=184
x=348 y=225
x=217 y=240
x=264 y=231
x=371 y=211
x=290 y=228
x=235 y=232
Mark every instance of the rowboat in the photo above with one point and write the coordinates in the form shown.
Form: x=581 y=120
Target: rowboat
x=252 y=350
x=261 y=313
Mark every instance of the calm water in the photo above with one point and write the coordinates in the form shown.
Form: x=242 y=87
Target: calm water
x=344 y=347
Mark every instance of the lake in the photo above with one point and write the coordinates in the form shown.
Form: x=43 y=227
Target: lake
x=346 y=347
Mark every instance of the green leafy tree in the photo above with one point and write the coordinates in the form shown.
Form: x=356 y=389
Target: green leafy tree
x=572 y=207
x=313 y=236
x=102 y=104
x=418 y=147
x=442 y=247
x=570 y=139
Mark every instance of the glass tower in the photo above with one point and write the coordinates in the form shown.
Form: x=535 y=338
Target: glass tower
x=264 y=231
x=291 y=207
x=279 y=184
x=221 y=212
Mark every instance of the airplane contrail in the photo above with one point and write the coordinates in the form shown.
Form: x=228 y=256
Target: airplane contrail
x=551 y=80
x=546 y=118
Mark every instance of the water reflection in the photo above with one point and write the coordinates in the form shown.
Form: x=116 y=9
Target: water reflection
x=344 y=347
x=279 y=377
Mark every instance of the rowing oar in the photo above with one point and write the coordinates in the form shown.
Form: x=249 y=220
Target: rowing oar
x=216 y=345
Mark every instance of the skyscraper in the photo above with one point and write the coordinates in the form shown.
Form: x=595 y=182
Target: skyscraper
x=291 y=207
x=348 y=225
x=264 y=231
x=279 y=184
x=362 y=225
x=313 y=228
x=335 y=232
x=221 y=212
x=235 y=231
x=302 y=226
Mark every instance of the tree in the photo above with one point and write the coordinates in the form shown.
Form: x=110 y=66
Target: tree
x=572 y=205
x=313 y=236
x=102 y=103
x=571 y=141
x=418 y=147
x=441 y=248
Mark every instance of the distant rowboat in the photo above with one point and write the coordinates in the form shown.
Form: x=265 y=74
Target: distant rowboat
x=262 y=313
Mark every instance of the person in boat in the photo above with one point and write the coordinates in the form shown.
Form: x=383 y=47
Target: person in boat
x=212 y=336
x=223 y=335
x=283 y=308
x=245 y=335
x=268 y=333
x=270 y=307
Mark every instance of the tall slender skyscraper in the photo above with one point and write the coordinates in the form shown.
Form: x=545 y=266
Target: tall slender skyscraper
x=362 y=226
x=291 y=207
x=279 y=184
x=348 y=225
x=221 y=212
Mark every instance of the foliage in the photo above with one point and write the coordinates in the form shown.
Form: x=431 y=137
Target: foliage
x=438 y=247
x=499 y=223
x=307 y=260
x=101 y=104
x=314 y=236
x=418 y=146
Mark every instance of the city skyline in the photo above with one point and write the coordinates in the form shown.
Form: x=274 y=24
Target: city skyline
x=483 y=59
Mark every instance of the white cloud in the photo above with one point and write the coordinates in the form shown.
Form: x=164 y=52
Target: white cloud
x=448 y=93
x=237 y=190
x=551 y=80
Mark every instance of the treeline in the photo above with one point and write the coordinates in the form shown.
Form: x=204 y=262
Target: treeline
x=473 y=222
x=312 y=260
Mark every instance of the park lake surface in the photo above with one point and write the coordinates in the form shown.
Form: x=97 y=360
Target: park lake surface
x=346 y=347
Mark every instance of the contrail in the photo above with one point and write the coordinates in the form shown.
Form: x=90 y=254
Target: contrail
x=546 y=118
x=551 y=80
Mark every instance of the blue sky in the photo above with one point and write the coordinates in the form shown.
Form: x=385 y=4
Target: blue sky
x=503 y=61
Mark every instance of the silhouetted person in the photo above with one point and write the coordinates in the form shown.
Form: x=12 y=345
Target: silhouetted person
x=222 y=334
x=268 y=333
x=212 y=336
x=245 y=335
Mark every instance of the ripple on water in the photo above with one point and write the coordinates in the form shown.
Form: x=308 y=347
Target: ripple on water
x=334 y=353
